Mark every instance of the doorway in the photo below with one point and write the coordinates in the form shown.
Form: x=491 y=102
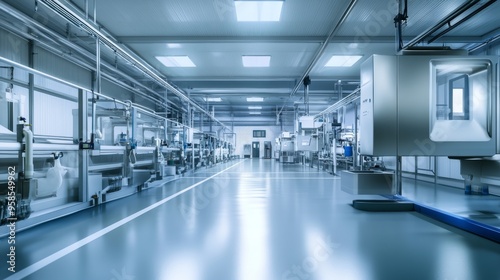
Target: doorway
x=256 y=149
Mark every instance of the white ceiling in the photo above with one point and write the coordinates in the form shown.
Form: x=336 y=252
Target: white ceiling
x=207 y=32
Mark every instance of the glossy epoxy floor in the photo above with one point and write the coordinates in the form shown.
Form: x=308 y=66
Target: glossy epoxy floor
x=481 y=208
x=257 y=219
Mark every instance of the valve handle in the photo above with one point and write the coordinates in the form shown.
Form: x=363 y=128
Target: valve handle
x=58 y=155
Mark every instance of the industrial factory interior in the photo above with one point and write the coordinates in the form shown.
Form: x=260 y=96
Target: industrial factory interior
x=250 y=139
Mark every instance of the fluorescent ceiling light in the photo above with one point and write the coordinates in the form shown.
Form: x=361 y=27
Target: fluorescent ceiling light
x=176 y=61
x=212 y=99
x=255 y=99
x=343 y=60
x=256 y=60
x=254 y=107
x=254 y=113
x=258 y=10
x=173 y=46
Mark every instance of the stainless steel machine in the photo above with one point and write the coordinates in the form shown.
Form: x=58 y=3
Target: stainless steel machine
x=425 y=105
x=431 y=105
x=287 y=148
x=107 y=149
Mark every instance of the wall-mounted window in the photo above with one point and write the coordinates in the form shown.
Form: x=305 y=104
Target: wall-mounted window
x=459 y=98
x=259 y=134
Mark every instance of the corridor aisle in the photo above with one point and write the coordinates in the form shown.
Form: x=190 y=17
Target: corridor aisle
x=253 y=220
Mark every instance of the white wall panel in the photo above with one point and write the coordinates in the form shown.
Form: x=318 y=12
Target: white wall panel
x=449 y=168
x=53 y=115
x=57 y=66
x=112 y=90
x=455 y=169
x=408 y=164
x=444 y=167
x=13 y=47
x=425 y=165
x=53 y=86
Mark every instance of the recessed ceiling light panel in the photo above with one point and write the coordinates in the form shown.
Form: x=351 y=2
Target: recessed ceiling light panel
x=256 y=60
x=343 y=60
x=212 y=99
x=173 y=46
x=255 y=99
x=176 y=61
x=258 y=10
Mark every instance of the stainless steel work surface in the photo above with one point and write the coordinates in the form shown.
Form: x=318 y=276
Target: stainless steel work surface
x=257 y=219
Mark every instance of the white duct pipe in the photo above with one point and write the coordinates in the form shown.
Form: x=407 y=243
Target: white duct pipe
x=28 y=158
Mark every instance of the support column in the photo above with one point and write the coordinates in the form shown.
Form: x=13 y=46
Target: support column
x=83 y=97
x=211 y=120
x=355 y=144
x=398 y=177
x=31 y=85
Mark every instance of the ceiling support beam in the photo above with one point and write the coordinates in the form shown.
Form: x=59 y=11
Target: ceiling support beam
x=275 y=39
x=219 y=39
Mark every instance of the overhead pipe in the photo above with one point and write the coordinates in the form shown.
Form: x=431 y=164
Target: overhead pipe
x=42 y=74
x=466 y=18
x=321 y=50
x=458 y=11
x=60 y=40
x=113 y=79
x=487 y=42
x=75 y=19
x=341 y=103
x=57 y=39
x=124 y=103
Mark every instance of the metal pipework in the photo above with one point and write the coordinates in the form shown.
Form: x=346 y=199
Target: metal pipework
x=341 y=103
x=489 y=41
x=83 y=24
x=321 y=50
x=466 y=18
x=457 y=12
x=61 y=40
x=58 y=39
x=125 y=103
x=88 y=66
